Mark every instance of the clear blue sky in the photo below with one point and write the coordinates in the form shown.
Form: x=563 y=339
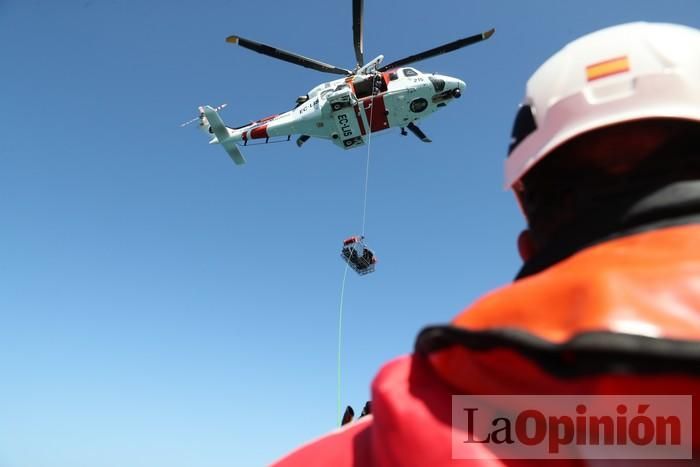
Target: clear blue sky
x=160 y=306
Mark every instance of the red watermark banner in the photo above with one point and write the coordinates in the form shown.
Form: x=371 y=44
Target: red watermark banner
x=572 y=427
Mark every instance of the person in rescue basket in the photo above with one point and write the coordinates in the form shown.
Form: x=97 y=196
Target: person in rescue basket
x=605 y=163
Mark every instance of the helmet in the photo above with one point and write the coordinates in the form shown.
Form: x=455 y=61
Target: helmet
x=619 y=74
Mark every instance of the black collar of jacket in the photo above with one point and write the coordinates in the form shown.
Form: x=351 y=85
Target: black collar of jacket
x=586 y=354
x=619 y=216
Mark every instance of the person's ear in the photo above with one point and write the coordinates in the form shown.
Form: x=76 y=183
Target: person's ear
x=526 y=246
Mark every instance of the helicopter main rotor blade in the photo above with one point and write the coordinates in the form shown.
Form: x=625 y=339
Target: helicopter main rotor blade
x=458 y=44
x=287 y=56
x=357 y=13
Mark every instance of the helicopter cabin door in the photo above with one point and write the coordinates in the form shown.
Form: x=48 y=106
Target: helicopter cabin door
x=376 y=112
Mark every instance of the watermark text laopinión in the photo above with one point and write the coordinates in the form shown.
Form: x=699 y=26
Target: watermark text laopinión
x=572 y=427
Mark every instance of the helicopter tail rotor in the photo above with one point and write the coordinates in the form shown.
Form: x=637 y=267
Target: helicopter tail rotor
x=210 y=122
x=202 y=119
x=224 y=136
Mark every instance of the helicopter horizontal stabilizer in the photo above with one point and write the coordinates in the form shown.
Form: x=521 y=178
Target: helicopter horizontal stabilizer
x=223 y=136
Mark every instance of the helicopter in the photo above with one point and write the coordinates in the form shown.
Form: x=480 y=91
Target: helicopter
x=367 y=99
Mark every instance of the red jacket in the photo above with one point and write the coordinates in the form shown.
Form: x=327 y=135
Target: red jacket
x=622 y=317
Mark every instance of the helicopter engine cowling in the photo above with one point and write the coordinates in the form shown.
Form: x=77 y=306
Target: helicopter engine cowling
x=301 y=99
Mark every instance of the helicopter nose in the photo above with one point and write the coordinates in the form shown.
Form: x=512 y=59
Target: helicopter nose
x=447 y=88
x=457 y=91
x=455 y=86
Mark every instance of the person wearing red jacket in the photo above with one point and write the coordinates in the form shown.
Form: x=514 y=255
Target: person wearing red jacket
x=605 y=164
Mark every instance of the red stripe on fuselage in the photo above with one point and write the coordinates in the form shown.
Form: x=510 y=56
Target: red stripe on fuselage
x=259 y=132
x=267 y=119
x=359 y=120
x=376 y=112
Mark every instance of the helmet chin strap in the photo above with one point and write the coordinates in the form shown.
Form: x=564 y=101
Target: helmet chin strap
x=615 y=215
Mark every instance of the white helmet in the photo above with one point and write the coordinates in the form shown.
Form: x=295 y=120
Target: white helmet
x=618 y=74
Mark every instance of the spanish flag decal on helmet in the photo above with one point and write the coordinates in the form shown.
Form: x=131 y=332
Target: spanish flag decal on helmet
x=607 y=68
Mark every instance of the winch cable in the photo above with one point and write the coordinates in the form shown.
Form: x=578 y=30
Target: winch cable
x=340 y=339
x=345 y=274
x=369 y=145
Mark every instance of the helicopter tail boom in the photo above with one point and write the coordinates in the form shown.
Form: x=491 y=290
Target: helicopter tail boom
x=223 y=135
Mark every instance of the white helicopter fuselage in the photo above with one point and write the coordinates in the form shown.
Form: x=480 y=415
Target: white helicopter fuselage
x=347 y=110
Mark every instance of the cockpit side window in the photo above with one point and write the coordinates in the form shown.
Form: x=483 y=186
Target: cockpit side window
x=408 y=72
x=438 y=84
